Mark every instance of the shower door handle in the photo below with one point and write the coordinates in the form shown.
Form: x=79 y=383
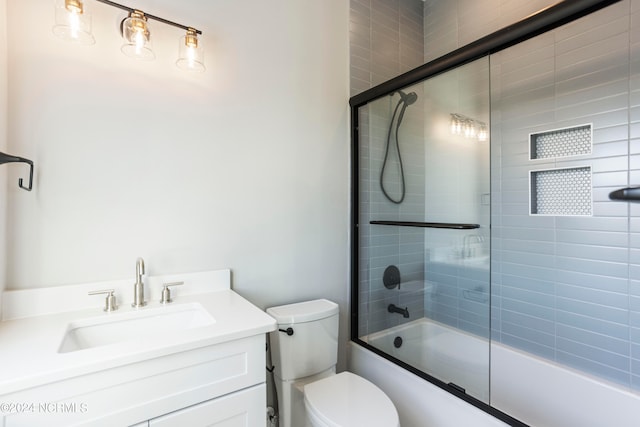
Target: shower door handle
x=629 y=194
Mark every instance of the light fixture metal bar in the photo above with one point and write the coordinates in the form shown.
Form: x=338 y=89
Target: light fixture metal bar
x=148 y=16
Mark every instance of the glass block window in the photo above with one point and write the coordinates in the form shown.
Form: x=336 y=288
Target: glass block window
x=564 y=192
x=566 y=142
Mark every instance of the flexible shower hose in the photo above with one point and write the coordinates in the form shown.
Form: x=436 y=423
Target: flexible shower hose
x=401 y=102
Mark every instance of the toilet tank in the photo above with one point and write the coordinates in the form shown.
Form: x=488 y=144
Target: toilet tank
x=313 y=346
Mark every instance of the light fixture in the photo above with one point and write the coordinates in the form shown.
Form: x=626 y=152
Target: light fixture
x=468 y=127
x=137 y=38
x=191 y=54
x=482 y=133
x=72 y=22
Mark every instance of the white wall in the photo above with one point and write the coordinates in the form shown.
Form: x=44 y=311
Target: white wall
x=3 y=143
x=244 y=166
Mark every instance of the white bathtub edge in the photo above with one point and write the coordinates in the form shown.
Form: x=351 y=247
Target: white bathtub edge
x=543 y=394
x=419 y=403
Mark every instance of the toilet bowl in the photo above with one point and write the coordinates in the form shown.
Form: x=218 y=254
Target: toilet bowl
x=304 y=353
x=346 y=399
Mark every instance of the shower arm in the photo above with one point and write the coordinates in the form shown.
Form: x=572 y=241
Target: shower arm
x=629 y=194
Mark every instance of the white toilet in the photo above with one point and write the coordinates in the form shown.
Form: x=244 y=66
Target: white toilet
x=304 y=353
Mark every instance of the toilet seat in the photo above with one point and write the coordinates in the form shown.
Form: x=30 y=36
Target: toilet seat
x=347 y=400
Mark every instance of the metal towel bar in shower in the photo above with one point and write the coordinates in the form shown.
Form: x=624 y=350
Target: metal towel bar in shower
x=454 y=226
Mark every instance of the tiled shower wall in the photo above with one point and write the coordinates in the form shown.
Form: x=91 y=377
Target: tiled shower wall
x=452 y=24
x=563 y=287
x=566 y=287
x=386 y=40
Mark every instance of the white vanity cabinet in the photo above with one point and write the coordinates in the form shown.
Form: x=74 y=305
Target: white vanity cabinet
x=244 y=408
x=160 y=365
x=218 y=385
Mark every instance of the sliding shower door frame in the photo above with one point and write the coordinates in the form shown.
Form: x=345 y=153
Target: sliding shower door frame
x=534 y=25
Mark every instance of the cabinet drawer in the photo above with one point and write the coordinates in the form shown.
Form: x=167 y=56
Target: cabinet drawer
x=130 y=394
x=244 y=408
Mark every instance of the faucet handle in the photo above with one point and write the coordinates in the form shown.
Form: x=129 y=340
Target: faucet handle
x=110 y=300
x=166 y=293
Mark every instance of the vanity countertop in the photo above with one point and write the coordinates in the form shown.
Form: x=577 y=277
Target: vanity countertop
x=30 y=354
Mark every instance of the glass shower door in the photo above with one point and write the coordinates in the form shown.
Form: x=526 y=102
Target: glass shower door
x=424 y=200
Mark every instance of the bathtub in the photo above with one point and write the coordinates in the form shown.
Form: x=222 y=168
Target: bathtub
x=439 y=350
x=538 y=392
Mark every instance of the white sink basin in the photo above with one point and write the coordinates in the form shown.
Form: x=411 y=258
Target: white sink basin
x=112 y=328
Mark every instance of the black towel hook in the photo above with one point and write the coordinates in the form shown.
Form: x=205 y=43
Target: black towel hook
x=6 y=158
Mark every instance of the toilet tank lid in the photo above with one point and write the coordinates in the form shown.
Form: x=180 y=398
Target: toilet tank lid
x=301 y=312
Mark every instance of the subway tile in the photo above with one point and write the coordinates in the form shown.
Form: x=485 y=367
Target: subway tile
x=603 y=207
x=547 y=261
x=634 y=268
x=598 y=311
x=618 y=300
x=593 y=55
x=528 y=234
x=527 y=308
x=599 y=326
x=529 y=297
x=614 y=73
x=531 y=335
x=634 y=319
x=588 y=252
x=582 y=112
x=545 y=326
x=527 y=283
x=529 y=271
x=589 y=266
x=594 y=281
x=597 y=238
x=592 y=224
x=534 y=348
x=594 y=367
x=611 y=33
x=612 y=90
x=596 y=23
x=610 y=149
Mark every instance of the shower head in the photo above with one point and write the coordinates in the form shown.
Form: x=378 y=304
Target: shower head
x=408 y=98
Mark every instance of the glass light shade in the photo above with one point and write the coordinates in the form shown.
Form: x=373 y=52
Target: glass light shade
x=137 y=38
x=72 y=22
x=483 y=134
x=453 y=124
x=190 y=52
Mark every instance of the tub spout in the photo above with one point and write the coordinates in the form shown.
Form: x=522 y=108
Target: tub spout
x=392 y=308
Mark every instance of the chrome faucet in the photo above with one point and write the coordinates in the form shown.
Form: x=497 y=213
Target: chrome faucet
x=138 y=287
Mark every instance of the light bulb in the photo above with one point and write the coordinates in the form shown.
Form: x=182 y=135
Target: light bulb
x=472 y=129
x=482 y=134
x=190 y=52
x=137 y=37
x=453 y=124
x=72 y=23
x=467 y=129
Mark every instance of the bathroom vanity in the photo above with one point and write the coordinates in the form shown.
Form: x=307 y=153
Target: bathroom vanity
x=199 y=360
